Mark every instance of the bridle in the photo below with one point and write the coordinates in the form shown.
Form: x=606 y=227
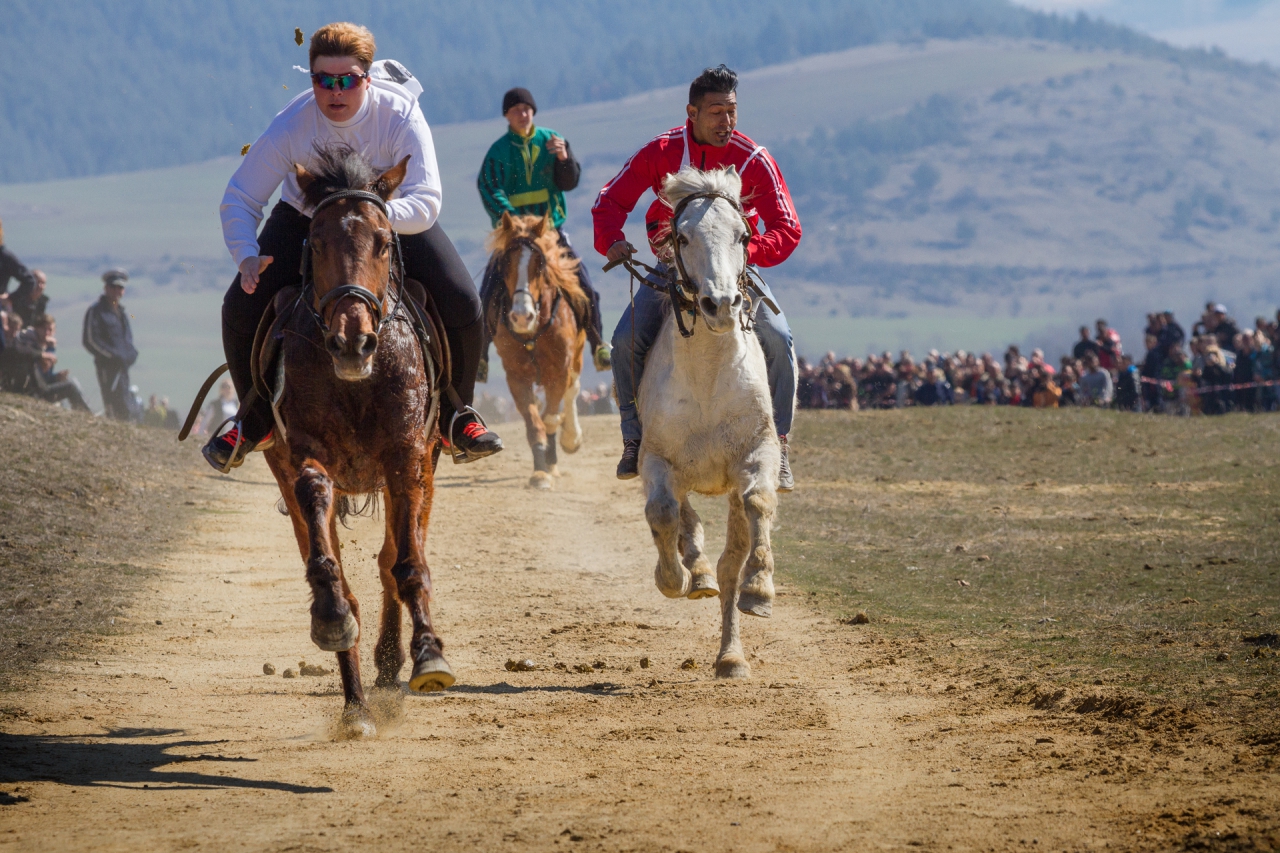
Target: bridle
x=527 y=342
x=353 y=291
x=675 y=282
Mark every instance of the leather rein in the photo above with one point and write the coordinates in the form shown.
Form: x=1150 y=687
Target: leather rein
x=675 y=281
x=354 y=291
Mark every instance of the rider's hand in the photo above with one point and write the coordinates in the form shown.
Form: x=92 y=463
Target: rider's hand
x=556 y=145
x=251 y=270
x=619 y=250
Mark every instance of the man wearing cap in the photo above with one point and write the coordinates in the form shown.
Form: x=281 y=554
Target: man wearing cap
x=109 y=339
x=28 y=299
x=527 y=172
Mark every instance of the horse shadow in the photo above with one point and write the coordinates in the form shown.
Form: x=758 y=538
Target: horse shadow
x=122 y=758
x=503 y=688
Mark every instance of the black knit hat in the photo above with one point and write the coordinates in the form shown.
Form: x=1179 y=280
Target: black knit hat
x=518 y=95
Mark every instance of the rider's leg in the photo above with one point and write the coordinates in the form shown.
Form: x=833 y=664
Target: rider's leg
x=282 y=237
x=635 y=334
x=775 y=339
x=488 y=283
x=430 y=258
x=595 y=332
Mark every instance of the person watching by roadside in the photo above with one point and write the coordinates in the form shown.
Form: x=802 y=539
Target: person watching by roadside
x=1045 y=393
x=39 y=346
x=109 y=339
x=1085 y=345
x=1096 y=386
x=526 y=173
x=28 y=299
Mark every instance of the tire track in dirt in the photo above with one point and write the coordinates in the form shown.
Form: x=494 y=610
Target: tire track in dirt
x=169 y=736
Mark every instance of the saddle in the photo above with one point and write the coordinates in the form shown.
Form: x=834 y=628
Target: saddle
x=267 y=363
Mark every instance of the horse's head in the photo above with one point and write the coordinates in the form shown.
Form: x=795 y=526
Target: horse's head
x=527 y=248
x=710 y=236
x=352 y=251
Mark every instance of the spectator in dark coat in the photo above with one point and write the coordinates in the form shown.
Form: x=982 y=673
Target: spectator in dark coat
x=109 y=339
x=1085 y=345
x=935 y=392
x=28 y=299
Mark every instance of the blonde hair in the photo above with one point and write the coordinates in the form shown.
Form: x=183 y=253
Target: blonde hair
x=343 y=39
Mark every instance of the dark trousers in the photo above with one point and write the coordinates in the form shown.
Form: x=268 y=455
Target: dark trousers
x=429 y=257
x=493 y=279
x=113 y=380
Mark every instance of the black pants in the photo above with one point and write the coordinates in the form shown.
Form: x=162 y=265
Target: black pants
x=429 y=257
x=113 y=380
x=493 y=279
x=66 y=389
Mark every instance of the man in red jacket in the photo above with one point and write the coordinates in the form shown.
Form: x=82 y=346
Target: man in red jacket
x=707 y=140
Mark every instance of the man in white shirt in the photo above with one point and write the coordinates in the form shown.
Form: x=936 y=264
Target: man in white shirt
x=378 y=116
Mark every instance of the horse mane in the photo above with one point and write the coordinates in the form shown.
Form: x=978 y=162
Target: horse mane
x=338 y=167
x=562 y=269
x=690 y=180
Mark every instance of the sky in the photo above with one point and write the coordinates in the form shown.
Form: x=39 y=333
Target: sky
x=1245 y=29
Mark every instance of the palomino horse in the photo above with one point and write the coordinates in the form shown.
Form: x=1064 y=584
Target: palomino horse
x=538 y=336
x=358 y=416
x=708 y=420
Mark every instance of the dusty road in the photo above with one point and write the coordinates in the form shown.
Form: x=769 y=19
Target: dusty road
x=168 y=736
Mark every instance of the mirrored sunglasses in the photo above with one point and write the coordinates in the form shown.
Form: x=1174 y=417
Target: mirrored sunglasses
x=340 y=82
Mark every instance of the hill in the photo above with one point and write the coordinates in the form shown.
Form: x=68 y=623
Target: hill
x=954 y=193
x=142 y=83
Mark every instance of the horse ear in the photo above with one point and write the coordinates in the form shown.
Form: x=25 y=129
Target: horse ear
x=543 y=223
x=507 y=224
x=387 y=182
x=305 y=178
x=732 y=170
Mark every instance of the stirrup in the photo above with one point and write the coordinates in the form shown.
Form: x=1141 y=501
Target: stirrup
x=461 y=456
x=234 y=460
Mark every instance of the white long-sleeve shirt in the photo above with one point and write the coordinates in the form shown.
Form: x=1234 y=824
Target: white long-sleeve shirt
x=387 y=128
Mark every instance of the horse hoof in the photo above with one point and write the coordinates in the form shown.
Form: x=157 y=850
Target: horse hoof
x=540 y=480
x=356 y=723
x=335 y=636
x=680 y=589
x=430 y=675
x=755 y=605
x=731 y=666
x=570 y=446
x=703 y=586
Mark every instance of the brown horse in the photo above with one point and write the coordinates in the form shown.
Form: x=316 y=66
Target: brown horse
x=357 y=417
x=538 y=334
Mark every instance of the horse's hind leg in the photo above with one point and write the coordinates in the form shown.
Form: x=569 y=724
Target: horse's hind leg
x=756 y=593
x=731 y=663
x=692 y=553
x=662 y=510
x=388 y=655
x=571 y=429
x=407 y=512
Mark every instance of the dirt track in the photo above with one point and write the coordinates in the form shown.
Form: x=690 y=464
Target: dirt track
x=169 y=736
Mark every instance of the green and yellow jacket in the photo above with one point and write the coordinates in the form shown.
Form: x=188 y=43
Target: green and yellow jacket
x=520 y=176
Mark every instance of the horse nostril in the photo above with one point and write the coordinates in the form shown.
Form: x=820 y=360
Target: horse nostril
x=368 y=344
x=709 y=305
x=334 y=344
x=737 y=300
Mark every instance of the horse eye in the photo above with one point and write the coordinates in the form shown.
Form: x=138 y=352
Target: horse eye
x=684 y=241
x=746 y=239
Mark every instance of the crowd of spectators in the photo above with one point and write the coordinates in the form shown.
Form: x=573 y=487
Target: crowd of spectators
x=1219 y=368
x=29 y=346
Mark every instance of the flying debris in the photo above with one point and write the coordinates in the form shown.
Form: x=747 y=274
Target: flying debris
x=244 y=149
x=297 y=35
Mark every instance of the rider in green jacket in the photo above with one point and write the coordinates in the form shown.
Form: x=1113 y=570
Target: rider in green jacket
x=528 y=171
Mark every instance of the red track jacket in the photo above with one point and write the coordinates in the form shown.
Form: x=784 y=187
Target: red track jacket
x=764 y=193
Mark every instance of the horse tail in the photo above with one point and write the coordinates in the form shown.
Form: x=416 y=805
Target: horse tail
x=358 y=506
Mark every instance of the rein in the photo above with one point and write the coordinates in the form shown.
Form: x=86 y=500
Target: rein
x=354 y=291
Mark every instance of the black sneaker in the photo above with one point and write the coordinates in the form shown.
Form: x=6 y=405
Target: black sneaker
x=629 y=464
x=222 y=451
x=474 y=440
x=786 y=482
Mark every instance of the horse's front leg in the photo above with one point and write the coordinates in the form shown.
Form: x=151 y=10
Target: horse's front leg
x=535 y=431
x=760 y=500
x=335 y=612
x=409 y=506
x=571 y=429
x=662 y=511
x=553 y=412
x=693 y=552
x=388 y=655
x=731 y=663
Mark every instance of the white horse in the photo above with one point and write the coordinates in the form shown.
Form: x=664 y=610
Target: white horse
x=708 y=419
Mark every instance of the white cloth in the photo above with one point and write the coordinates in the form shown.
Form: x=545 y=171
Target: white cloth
x=388 y=127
